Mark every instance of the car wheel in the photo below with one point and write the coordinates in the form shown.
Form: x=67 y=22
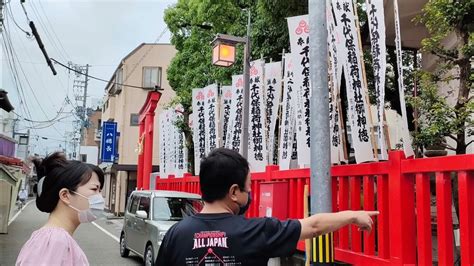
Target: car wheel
x=148 y=258
x=124 y=252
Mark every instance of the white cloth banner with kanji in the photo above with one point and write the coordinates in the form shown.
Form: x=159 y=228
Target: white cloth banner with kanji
x=211 y=117
x=226 y=101
x=298 y=28
x=376 y=21
x=199 y=132
x=407 y=148
x=355 y=85
x=287 y=123
x=335 y=69
x=181 y=163
x=234 y=133
x=257 y=145
x=162 y=144
x=273 y=78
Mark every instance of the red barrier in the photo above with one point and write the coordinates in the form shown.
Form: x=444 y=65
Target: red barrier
x=402 y=231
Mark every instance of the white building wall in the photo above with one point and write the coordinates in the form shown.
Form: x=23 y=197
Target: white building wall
x=90 y=152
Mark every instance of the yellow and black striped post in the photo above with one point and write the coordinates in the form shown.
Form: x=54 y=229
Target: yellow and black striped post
x=322 y=250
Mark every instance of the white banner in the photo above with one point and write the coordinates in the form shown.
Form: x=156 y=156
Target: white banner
x=401 y=87
x=234 y=134
x=335 y=69
x=273 y=79
x=211 y=117
x=162 y=143
x=298 y=28
x=226 y=101
x=287 y=123
x=170 y=142
x=181 y=163
x=257 y=148
x=356 y=91
x=376 y=20
x=199 y=132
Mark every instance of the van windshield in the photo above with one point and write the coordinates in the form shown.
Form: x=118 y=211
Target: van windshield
x=175 y=209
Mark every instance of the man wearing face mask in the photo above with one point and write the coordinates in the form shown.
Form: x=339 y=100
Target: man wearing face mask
x=221 y=235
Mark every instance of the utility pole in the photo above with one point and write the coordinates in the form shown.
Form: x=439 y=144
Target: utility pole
x=1 y=16
x=80 y=83
x=319 y=111
x=84 y=106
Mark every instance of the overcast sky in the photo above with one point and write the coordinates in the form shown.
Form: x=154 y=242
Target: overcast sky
x=95 y=32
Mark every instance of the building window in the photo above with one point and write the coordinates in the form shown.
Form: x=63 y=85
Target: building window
x=134 y=119
x=151 y=77
x=83 y=158
x=23 y=140
x=119 y=80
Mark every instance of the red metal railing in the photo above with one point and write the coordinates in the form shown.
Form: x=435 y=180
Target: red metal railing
x=400 y=189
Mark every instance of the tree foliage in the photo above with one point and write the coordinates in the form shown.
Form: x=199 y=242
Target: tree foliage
x=438 y=119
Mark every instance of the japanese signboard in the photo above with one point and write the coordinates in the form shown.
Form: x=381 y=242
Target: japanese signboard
x=298 y=28
x=273 y=86
x=108 y=142
x=257 y=150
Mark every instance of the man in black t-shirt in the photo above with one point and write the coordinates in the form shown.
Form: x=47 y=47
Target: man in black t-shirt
x=220 y=235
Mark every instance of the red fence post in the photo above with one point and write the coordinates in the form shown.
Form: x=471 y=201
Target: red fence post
x=466 y=213
x=185 y=182
x=356 y=235
x=423 y=219
x=402 y=229
x=444 y=219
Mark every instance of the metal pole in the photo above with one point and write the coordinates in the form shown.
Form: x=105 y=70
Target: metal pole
x=320 y=141
x=245 y=120
x=320 y=135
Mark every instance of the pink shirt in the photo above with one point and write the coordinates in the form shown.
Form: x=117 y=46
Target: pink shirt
x=51 y=246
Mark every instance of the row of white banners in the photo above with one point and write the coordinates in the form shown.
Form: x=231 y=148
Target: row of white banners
x=282 y=89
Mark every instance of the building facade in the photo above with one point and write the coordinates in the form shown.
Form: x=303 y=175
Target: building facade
x=90 y=142
x=145 y=67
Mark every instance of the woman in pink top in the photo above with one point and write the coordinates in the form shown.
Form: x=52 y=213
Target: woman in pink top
x=70 y=192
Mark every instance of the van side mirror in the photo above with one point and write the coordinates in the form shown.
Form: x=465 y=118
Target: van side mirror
x=142 y=214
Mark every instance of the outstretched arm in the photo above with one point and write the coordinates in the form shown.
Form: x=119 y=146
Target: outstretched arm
x=323 y=223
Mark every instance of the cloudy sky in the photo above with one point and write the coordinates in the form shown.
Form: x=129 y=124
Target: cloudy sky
x=95 y=32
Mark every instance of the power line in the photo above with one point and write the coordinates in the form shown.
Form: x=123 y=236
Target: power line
x=13 y=56
x=30 y=87
x=52 y=29
x=47 y=32
x=10 y=13
x=96 y=78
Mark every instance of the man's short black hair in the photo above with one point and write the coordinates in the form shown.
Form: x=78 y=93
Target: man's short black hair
x=219 y=171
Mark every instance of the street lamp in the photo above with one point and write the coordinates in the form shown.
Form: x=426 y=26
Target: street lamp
x=223 y=54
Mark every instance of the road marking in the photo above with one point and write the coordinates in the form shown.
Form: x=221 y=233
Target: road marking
x=18 y=213
x=106 y=232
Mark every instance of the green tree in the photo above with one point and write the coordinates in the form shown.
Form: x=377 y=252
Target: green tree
x=194 y=23
x=438 y=119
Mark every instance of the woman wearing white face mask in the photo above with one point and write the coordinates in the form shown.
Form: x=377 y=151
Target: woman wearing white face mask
x=70 y=192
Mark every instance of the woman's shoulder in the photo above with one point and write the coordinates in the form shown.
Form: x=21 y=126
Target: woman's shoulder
x=48 y=244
